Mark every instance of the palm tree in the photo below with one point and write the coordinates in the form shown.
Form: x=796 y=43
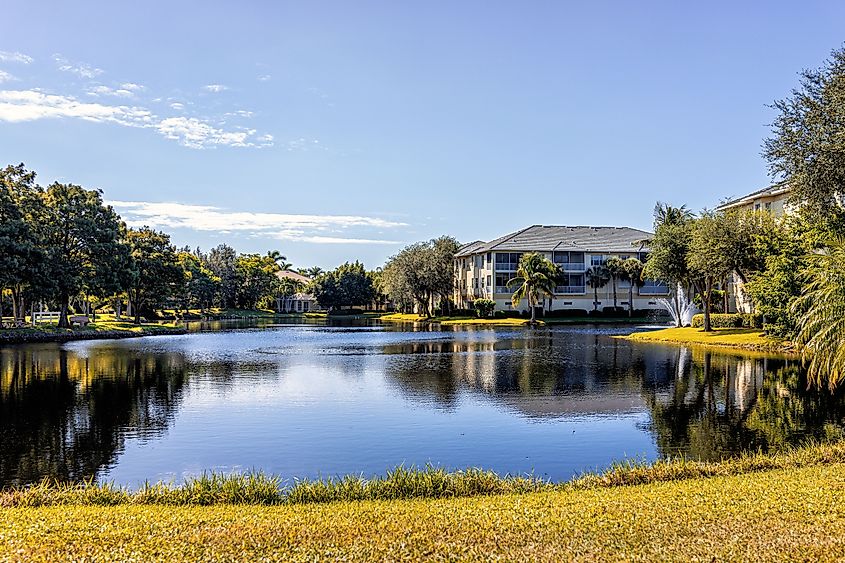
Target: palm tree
x=615 y=267
x=665 y=214
x=279 y=259
x=634 y=274
x=536 y=276
x=597 y=277
x=821 y=317
x=313 y=271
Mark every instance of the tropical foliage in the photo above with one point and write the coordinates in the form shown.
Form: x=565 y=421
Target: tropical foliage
x=536 y=277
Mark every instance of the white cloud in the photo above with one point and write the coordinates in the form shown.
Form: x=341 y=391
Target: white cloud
x=30 y=105
x=132 y=87
x=264 y=77
x=215 y=88
x=303 y=144
x=97 y=91
x=14 y=57
x=318 y=229
x=80 y=69
x=177 y=106
x=6 y=77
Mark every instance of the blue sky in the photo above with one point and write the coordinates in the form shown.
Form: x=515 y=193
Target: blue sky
x=343 y=130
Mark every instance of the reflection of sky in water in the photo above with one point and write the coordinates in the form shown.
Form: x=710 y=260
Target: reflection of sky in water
x=303 y=401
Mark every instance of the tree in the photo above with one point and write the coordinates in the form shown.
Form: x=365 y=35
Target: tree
x=807 y=147
x=255 y=274
x=21 y=253
x=633 y=269
x=669 y=249
x=200 y=283
x=821 y=317
x=597 y=278
x=347 y=285
x=536 y=276
x=157 y=274
x=313 y=271
x=82 y=237
x=422 y=272
x=709 y=256
x=221 y=261
x=615 y=267
x=484 y=307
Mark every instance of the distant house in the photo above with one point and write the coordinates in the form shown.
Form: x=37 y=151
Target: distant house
x=482 y=269
x=774 y=199
x=299 y=302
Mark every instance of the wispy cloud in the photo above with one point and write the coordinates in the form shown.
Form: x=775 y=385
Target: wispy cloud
x=215 y=88
x=318 y=229
x=14 y=57
x=30 y=105
x=101 y=90
x=264 y=77
x=6 y=77
x=82 y=70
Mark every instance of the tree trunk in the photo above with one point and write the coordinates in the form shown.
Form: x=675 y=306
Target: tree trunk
x=14 y=305
x=595 y=298
x=614 y=295
x=631 y=301
x=680 y=322
x=533 y=312
x=117 y=311
x=63 y=320
x=707 y=294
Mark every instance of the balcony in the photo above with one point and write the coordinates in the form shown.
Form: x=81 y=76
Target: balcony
x=571 y=289
x=578 y=267
x=505 y=289
x=654 y=290
x=506 y=266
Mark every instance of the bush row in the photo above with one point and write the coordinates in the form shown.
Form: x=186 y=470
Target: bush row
x=729 y=320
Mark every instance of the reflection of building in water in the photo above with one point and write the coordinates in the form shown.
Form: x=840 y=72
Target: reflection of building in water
x=66 y=416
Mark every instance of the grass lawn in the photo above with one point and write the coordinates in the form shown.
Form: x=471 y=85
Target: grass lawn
x=786 y=514
x=105 y=326
x=746 y=338
x=414 y=318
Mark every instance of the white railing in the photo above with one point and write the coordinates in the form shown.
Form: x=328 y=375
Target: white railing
x=572 y=266
x=506 y=266
x=505 y=289
x=654 y=290
x=45 y=316
x=571 y=289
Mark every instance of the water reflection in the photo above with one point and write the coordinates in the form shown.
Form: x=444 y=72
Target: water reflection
x=312 y=400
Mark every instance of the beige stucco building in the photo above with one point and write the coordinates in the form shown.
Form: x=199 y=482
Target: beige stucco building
x=482 y=269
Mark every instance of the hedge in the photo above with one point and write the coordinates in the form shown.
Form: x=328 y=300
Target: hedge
x=729 y=320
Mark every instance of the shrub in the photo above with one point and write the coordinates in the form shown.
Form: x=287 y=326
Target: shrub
x=729 y=320
x=507 y=314
x=463 y=312
x=484 y=307
x=344 y=312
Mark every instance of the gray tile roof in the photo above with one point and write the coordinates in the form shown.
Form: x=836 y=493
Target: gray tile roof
x=773 y=190
x=548 y=238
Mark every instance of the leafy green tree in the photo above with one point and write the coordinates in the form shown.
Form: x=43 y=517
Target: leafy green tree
x=347 y=285
x=669 y=249
x=200 y=283
x=21 y=252
x=633 y=269
x=157 y=274
x=807 y=147
x=423 y=272
x=536 y=277
x=82 y=238
x=255 y=274
x=821 y=317
x=616 y=271
x=484 y=307
x=597 y=278
x=221 y=261
x=709 y=259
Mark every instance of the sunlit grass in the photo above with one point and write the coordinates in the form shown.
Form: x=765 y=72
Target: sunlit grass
x=777 y=508
x=749 y=338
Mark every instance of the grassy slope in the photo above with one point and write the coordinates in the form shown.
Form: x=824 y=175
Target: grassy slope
x=791 y=514
x=746 y=338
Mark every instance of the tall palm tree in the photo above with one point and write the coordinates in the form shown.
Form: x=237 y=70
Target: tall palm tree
x=313 y=271
x=615 y=267
x=821 y=317
x=536 y=276
x=634 y=274
x=665 y=214
x=279 y=259
x=597 y=278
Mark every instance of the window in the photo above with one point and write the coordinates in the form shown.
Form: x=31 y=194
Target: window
x=507 y=261
x=597 y=260
x=489 y=257
x=768 y=206
x=489 y=279
x=756 y=207
x=502 y=283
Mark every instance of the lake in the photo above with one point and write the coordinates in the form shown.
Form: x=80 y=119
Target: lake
x=316 y=399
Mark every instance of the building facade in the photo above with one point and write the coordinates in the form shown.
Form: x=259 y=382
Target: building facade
x=482 y=269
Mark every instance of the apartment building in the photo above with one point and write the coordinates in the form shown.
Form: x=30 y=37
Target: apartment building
x=482 y=269
x=773 y=199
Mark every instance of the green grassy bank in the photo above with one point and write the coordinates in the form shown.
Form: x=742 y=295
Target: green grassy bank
x=783 y=507
x=104 y=328
x=743 y=338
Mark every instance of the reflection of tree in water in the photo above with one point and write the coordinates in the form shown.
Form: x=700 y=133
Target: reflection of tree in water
x=67 y=416
x=722 y=404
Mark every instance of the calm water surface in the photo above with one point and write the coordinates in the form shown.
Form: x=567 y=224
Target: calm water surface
x=315 y=400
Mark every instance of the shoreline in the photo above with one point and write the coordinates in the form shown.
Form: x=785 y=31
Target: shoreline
x=747 y=339
x=36 y=335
